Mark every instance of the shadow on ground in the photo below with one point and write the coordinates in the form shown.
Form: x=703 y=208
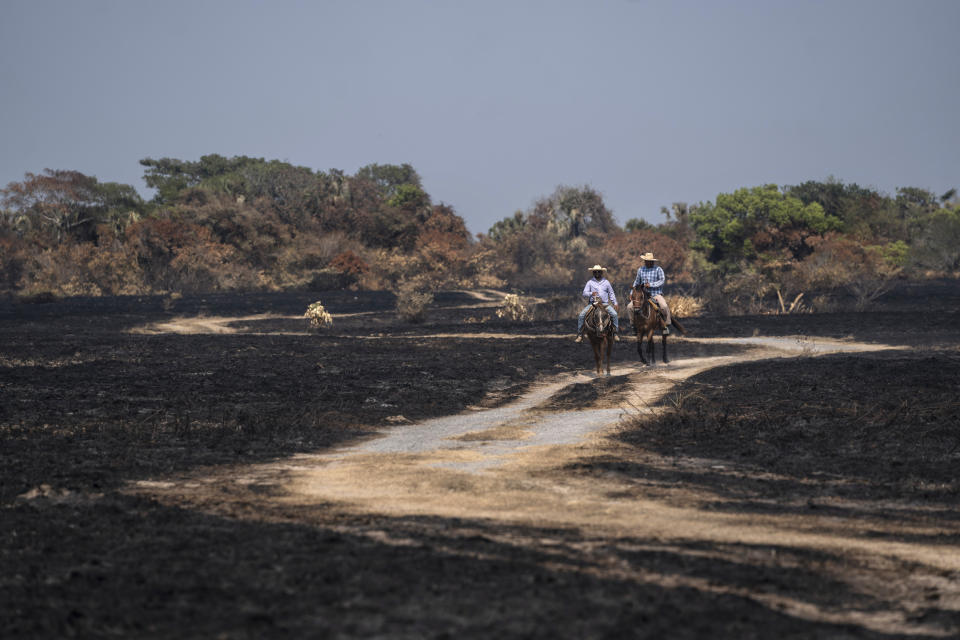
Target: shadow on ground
x=127 y=566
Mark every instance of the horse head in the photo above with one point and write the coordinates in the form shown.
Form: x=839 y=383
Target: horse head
x=598 y=321
x=641 y=302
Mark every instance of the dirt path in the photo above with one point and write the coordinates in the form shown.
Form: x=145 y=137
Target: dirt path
x=505 y=465
x=219 y=325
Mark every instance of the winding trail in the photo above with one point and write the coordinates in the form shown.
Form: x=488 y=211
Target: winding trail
x=506 y=465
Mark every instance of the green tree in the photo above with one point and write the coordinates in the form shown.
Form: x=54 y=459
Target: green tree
x=865 y=213
x=409 y=197
x=760 y=222
x=637 y=224
x=389 y=177
x=170 y=176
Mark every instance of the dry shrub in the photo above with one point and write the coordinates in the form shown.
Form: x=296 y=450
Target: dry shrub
x=513 y=309
x=558 y=307
x=551 y=274
x=349 y=263
x=685 y=306
x=621 y=255
x=204 y=266
x=13 y=257
x=389 y=268
x=319 y=317
x=330 y=245
x=413 y=298
x=170 y=300
x=738 y=294
x=825 y=304
x=173 y=255
x=839 y=263
x=479 y=271
x=81 y=270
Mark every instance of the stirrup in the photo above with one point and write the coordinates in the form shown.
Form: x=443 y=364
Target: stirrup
x=579 y=338
x=616 y=338
x=666 y=330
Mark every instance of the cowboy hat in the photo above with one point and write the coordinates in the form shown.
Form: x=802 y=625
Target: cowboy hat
x=597 y=267
x=648 y=256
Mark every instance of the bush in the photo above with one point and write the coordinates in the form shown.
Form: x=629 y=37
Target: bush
x=685 y=306
x=558 y=307
x=413 y=298
x=329 y=279
x=513 y=309
x=319 y=317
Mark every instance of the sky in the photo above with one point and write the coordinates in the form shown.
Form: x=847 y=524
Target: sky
x=494 y=103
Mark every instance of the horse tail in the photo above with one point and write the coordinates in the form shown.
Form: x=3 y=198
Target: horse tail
x=675 y=322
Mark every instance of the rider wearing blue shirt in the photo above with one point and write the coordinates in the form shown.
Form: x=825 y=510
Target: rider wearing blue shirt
x=600 y=287
x=651 y=276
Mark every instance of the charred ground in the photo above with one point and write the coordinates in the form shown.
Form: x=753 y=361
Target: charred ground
x=89 y=406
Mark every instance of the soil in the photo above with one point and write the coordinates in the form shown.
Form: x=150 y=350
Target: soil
x=211 y=467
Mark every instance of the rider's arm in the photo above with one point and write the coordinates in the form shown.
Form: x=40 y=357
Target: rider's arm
x=586 y=290
x=637 y=281
x=660 y=279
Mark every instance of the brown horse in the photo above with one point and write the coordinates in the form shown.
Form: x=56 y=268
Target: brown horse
x=598 y=325
x=646 y=319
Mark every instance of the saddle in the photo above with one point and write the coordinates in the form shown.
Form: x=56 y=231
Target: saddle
x=637 y=299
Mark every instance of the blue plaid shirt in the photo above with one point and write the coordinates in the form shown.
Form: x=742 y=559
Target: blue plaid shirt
x=653 y=276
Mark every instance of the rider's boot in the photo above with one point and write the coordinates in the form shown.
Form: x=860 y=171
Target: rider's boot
x=579 y=338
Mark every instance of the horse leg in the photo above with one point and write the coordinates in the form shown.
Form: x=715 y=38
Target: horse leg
x=651 y=347
x=609 y=349
x=665 y=358
x=640 y=347
x=597 y=355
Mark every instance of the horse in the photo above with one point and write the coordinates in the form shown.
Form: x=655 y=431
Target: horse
x=646 y=319
x=598 y=325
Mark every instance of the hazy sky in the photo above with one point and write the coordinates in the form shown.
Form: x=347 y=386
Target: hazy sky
x=494 y=103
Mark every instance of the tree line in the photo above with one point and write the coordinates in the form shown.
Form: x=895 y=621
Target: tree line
x=243 y=223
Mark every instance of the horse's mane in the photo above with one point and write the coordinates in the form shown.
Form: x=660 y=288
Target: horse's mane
x=598 y=321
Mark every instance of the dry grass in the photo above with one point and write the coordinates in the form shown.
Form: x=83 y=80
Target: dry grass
x=513 y=309
x=685 y=306
x=319 y=317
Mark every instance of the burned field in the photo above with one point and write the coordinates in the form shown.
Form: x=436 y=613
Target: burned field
x=863 y=447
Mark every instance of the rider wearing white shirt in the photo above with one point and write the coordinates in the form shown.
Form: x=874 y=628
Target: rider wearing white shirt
x=600 y=287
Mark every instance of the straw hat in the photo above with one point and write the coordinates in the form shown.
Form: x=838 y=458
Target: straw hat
x=648 y=256
x=597 y=267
